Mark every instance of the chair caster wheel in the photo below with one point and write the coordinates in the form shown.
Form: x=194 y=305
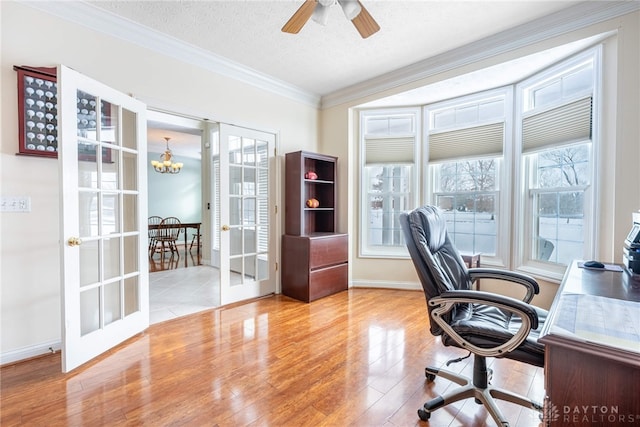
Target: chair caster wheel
x=424 y=415
x=430 y=376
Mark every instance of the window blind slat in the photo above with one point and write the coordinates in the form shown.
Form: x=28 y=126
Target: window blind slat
x=389 y=150
x=567 y=123
x=469 y=142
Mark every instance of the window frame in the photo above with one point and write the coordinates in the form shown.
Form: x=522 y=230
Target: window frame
x=503 y=188
x=365 y=248
x=522 y=258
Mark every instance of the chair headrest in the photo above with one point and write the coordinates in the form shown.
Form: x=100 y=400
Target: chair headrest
x=432 y=222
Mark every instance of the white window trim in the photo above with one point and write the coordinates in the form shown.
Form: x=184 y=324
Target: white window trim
x=364 y=249
x=504 y=190
x=521 y=257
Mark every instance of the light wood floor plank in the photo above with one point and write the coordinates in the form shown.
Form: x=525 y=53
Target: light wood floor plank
x=355 y=358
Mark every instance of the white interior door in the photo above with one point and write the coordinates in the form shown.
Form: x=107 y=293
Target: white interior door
x=102 y=158
x=247 y=206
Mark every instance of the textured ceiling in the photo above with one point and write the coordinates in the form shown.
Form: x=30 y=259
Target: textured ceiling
x=322 y=60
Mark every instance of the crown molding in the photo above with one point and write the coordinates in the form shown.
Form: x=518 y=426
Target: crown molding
x=573 y=18
x=87 y=15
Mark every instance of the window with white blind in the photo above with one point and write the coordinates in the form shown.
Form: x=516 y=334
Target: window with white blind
x=557 y=152
x=465 y=158
x=512 y=168
x=389 y=143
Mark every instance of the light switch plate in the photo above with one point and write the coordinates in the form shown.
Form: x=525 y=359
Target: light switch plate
x=15 y=204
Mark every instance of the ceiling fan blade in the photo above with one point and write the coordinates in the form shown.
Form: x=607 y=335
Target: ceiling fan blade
x=364 y=23
x=302 y=15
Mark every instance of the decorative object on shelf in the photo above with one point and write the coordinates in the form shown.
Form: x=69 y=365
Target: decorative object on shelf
x=166 y=163
x=311 y=175
x=37 y=111
x=313 y=203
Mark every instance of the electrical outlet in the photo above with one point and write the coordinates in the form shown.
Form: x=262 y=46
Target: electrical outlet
x=15 y=204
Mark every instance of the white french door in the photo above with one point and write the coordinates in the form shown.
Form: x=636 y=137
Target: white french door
x=102 y=158
x=246 y=204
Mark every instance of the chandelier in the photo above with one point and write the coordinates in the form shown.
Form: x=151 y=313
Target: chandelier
x=166 y=163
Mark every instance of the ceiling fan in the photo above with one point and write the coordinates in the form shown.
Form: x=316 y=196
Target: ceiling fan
x=319 y=10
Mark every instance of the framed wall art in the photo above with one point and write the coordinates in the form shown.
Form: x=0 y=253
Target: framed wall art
x=37 y=111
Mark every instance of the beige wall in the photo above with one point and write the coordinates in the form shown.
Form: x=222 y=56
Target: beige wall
x=620 y=155
x=29 y=242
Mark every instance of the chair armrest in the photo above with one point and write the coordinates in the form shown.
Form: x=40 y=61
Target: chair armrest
x=512 y=276
x=444 y=303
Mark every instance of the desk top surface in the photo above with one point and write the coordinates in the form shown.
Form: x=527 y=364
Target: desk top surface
x=603 y=283
x=588 y=305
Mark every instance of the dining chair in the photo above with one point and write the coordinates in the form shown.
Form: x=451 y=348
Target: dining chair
x=169 y=231
x=154 y=220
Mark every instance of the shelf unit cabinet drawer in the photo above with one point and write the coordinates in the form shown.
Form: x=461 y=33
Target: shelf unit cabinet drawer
x=326 y=251
x=327 y=281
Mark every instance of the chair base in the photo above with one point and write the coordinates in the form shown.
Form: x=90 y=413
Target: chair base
x=478 y=388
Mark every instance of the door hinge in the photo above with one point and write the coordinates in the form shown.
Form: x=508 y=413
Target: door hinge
x=276 y=209
x=276 y=266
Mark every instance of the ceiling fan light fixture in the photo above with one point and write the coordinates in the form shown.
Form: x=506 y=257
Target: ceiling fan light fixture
x=321 y=14
x=351 y=8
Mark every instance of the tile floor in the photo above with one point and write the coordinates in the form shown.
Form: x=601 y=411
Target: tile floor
x=182 y=291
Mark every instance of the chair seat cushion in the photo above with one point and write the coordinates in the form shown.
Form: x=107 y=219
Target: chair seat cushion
x=486 y=327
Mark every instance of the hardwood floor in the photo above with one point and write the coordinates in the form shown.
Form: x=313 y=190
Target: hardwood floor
x=354 y=358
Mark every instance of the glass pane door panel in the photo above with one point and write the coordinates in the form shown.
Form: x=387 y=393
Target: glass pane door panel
x=89 y=267
x=111 y=258
x=110 y=169
x=88 y=213
x=87 y=170
x=86 y=115
x=129 y=129
x=249 y=185
x=262 y=153
x=112 y=302
x=235 y=153
x=130 y=166
x=130 y=212
x=110 y=213
x=235 y=210
x=131 y=298
x=131 y=254
x=250 y=239
x=250 y=267
x=109 y=123
x=249 y=211
x=235 y=180
x=236 y=241
x=89 y=311
x=248 y=148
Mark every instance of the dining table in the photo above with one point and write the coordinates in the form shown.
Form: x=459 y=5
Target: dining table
x=184 y=226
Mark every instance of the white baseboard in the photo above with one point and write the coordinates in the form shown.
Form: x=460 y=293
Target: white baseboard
x=29 y=352
x=379 y=284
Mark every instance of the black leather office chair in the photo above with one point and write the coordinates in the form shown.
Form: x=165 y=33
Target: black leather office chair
x=484 y=323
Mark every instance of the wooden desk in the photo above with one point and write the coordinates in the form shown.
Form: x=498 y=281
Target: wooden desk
x=184 y=225
x=590 y=383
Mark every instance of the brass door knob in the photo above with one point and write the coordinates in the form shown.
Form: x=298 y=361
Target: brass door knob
x=74 y=241
x=225 y=228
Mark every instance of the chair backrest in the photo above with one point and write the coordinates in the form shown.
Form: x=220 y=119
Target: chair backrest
x=154 y=220
x=438 y=263
x=170 y=228
x=545 y=249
